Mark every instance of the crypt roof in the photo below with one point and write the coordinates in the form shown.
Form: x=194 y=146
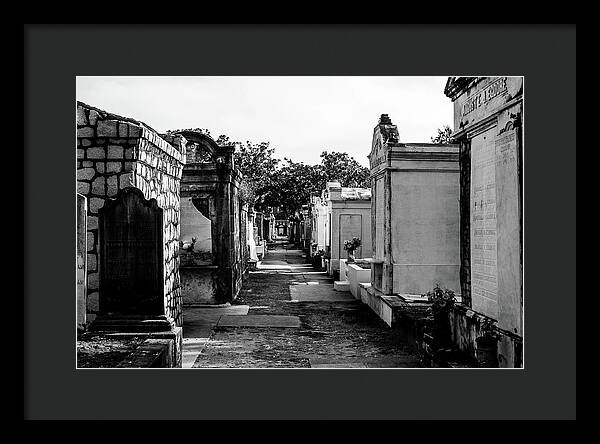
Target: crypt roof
x=349 y=193
x=455 y=86
x=111 y=116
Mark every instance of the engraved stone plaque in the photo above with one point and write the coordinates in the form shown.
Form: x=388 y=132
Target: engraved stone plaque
x=484 y=239
x=131 y=255
x=509 y=233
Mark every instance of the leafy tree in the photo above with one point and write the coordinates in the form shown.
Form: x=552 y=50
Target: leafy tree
x=294 y=182
x=342 y=167
x=287 y=185
x=198 y=130
x=291 y=187
x=223 y=140
x=257 y=163
x=444 y=135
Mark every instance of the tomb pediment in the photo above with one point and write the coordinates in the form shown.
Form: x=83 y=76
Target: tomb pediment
x=385 y=135
x=202 y=149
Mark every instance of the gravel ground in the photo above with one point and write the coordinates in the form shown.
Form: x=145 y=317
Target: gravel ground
x=96 y=351
x=338 y=334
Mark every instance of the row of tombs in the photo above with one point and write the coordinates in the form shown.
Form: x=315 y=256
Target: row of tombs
x=445 y=215
x=161 y=224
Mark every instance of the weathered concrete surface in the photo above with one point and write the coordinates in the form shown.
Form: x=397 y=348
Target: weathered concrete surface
x=259 y=321
x=318 y=361
x=332 y=333
x=198 y=326
x=318 y=293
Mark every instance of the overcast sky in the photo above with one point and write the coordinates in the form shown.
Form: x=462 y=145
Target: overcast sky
x=299 y=116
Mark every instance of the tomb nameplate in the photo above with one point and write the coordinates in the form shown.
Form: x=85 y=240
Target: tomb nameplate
x=131 y=255
x=484 y=239
x=484 y=98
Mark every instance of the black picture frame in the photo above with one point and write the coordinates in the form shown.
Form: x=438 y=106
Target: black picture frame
x=55 y=54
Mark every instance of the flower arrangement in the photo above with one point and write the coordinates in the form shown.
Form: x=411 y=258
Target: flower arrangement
x=352 y=244
x=442 y=300
x=189 y=246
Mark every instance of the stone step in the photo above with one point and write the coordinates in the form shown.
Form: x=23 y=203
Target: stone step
x=123 y=323
x=341 y=286
x=386 y=307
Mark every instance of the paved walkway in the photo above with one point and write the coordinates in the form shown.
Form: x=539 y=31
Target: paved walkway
x=289 y=316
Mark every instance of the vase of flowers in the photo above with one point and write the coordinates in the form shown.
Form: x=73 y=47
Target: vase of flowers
x=442 y=301
x=350 y=246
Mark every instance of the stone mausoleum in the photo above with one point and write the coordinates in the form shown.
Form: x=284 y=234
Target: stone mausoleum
x=415 y=224
x=415 y=213
x=211 y=254
x=488 y=116
x=348 y=215
x=128 y=178
x=282 y=229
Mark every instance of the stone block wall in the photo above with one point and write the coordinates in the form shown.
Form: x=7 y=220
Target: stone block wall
x=115 y=152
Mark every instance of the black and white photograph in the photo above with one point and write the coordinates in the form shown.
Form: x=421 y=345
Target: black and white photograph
x=299 y=222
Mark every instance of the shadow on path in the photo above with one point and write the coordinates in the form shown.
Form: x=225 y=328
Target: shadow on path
x=289 y=316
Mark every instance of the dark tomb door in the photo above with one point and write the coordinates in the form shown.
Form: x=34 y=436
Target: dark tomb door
x=131 y=255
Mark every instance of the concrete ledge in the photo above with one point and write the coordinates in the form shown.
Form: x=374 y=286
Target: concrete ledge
x=357 y=275
x=373 y=300
x=388 y=307
x=344 y=270
x=341 y=286
x=363 y=291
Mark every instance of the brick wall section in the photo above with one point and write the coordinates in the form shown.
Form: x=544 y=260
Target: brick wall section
x=113 y=153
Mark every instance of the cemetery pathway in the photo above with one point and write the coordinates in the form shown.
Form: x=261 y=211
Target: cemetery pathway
x=288 y=315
